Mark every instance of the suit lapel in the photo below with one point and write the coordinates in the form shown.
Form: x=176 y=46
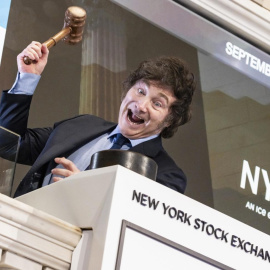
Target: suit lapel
x=66 y=138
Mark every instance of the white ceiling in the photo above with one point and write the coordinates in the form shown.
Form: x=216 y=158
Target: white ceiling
x=243 y=17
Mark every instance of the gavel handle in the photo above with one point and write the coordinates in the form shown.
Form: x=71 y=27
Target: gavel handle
x=51 y=42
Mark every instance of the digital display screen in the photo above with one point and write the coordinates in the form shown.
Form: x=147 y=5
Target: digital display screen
x=234 y=77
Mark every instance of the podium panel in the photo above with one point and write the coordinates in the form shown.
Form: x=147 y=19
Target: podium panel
x=181 y=230
x=156 y=252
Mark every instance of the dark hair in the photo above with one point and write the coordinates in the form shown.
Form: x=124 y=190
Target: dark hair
x=169 y=72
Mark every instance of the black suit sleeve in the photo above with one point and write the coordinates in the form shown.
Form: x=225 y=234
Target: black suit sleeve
x=175 y=180
x=14 y=112
x=169 y=174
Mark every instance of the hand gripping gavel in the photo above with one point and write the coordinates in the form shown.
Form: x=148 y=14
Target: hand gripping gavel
x=72 y=31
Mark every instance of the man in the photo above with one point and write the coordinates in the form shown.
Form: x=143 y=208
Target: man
x=156 y=100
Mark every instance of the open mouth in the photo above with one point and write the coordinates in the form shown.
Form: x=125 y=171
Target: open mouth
x=133 y=118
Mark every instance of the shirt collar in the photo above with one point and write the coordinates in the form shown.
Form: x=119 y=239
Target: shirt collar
x=133 y=142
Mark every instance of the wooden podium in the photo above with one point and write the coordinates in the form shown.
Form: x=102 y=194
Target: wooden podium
x=130 y=222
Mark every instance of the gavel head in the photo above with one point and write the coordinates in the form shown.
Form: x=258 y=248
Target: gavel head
x=75 y=20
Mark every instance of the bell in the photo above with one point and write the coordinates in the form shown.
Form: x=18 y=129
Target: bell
x=136 y=162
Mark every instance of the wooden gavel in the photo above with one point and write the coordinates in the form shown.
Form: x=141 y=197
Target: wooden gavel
x=72 y=31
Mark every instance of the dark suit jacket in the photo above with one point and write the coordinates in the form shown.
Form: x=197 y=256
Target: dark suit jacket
x=40 y=146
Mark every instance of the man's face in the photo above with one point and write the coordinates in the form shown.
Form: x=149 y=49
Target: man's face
x=144 y=109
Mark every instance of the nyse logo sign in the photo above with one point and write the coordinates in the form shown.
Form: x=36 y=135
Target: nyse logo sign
x=253 y=180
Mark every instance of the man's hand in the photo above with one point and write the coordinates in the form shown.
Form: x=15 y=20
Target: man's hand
x=69 y=169
x=38 y=53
